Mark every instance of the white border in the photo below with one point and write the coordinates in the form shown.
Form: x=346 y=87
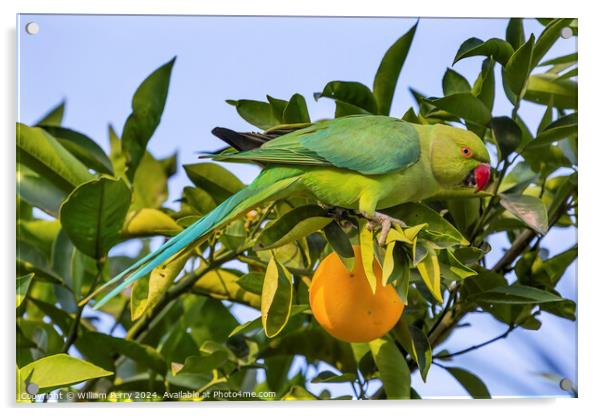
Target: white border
x=590 y=159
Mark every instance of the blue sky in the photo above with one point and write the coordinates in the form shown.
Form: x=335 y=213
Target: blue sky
x=96 y=63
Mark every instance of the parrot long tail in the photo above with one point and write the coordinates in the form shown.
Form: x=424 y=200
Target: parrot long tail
x=265 y=187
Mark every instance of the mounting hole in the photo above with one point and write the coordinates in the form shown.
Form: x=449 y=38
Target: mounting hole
x=32 y=28
x=566 y=32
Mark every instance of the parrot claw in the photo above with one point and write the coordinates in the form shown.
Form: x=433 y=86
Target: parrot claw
x=385 y=223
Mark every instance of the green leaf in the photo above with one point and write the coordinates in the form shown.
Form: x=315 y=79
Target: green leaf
x=54 y=117
x=296 y=111
x=147 y=108
x=471 y=383
x=458 y=268
x=484 y=86
x=516 y=294
x=56 y=371
x=499 y=49
x=82 y=147
x=251 y=282
x=149 y=222
x=23 y=283
x=223 y=284
x=416 y=214
x=216 y=180
x=339 y=241
x=93 y=214
x=44 y=155
x=518 y=68
x=37 y=191
x=464 y=105
x=528 y=209
x=415 y=342
x=293 y=226
x=548 y=37
x=549 y=88
x=278 y=107
x=430 y=272
x=454 y=83
x=101 y=349
x=515 y=33
x=298 y=393
x=150 y=184
x=157 y=284
x=367 y=254
x=331 y=377
x=257 y=113
x=562 y=128
x=256 y=324
x=276 y=298
x=199 y=200
x=392 y=367
x=353 y=95
x=571 y=58
x=387 y=75
x=507 y=134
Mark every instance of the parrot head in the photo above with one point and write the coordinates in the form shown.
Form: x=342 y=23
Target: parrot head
x=459 y=159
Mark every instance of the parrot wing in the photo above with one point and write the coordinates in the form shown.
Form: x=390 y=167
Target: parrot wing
x=371 y=145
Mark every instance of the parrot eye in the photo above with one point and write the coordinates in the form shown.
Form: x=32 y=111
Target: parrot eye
x=466 y=152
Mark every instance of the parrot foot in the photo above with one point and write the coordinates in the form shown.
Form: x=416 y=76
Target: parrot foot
x=385 y=222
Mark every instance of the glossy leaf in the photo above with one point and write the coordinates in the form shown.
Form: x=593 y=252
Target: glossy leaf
x=417 y=344
x=339 y=241
x=93 y=214
x=330 y=377
x=517 y=294
x=56 y=371
x=54 y=117
x=499 y=49
x=415 y=214
x=367 y=253
x=351 y=95
x=293 y=226
x=392 y=368
x=44 y=155
x=276 y=298
x=548 y=88
x=548 y=37
x=219 y=182
x=518 y=68
x=149 y=222
x=82 y=147
x=561 y=128
x=454 y=83
x=464 y=105
x=257 y=113
x=296 y=110
x=251 y=282
x=389 y=70
x=223 y=284
x=23 y=283
x=484 y=86
x=157 y=284
x=471 y=383
x=528 y=209
x=430 y=272
x=147 y=108
x=515 y=33
x=507 y=134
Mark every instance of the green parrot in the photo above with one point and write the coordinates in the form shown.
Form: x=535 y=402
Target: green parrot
x=364 y=163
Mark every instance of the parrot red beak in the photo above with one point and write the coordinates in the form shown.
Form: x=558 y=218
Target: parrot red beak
x=482 y=174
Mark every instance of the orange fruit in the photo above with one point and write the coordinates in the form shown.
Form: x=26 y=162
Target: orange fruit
x=344 y=305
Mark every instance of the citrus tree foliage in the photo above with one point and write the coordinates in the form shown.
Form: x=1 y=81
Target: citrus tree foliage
x=174 y=330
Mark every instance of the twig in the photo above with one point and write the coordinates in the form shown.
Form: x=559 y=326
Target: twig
x=477 y=346
x=73 y=331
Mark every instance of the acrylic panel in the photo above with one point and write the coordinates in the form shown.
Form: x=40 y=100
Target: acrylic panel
x=295 y=208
